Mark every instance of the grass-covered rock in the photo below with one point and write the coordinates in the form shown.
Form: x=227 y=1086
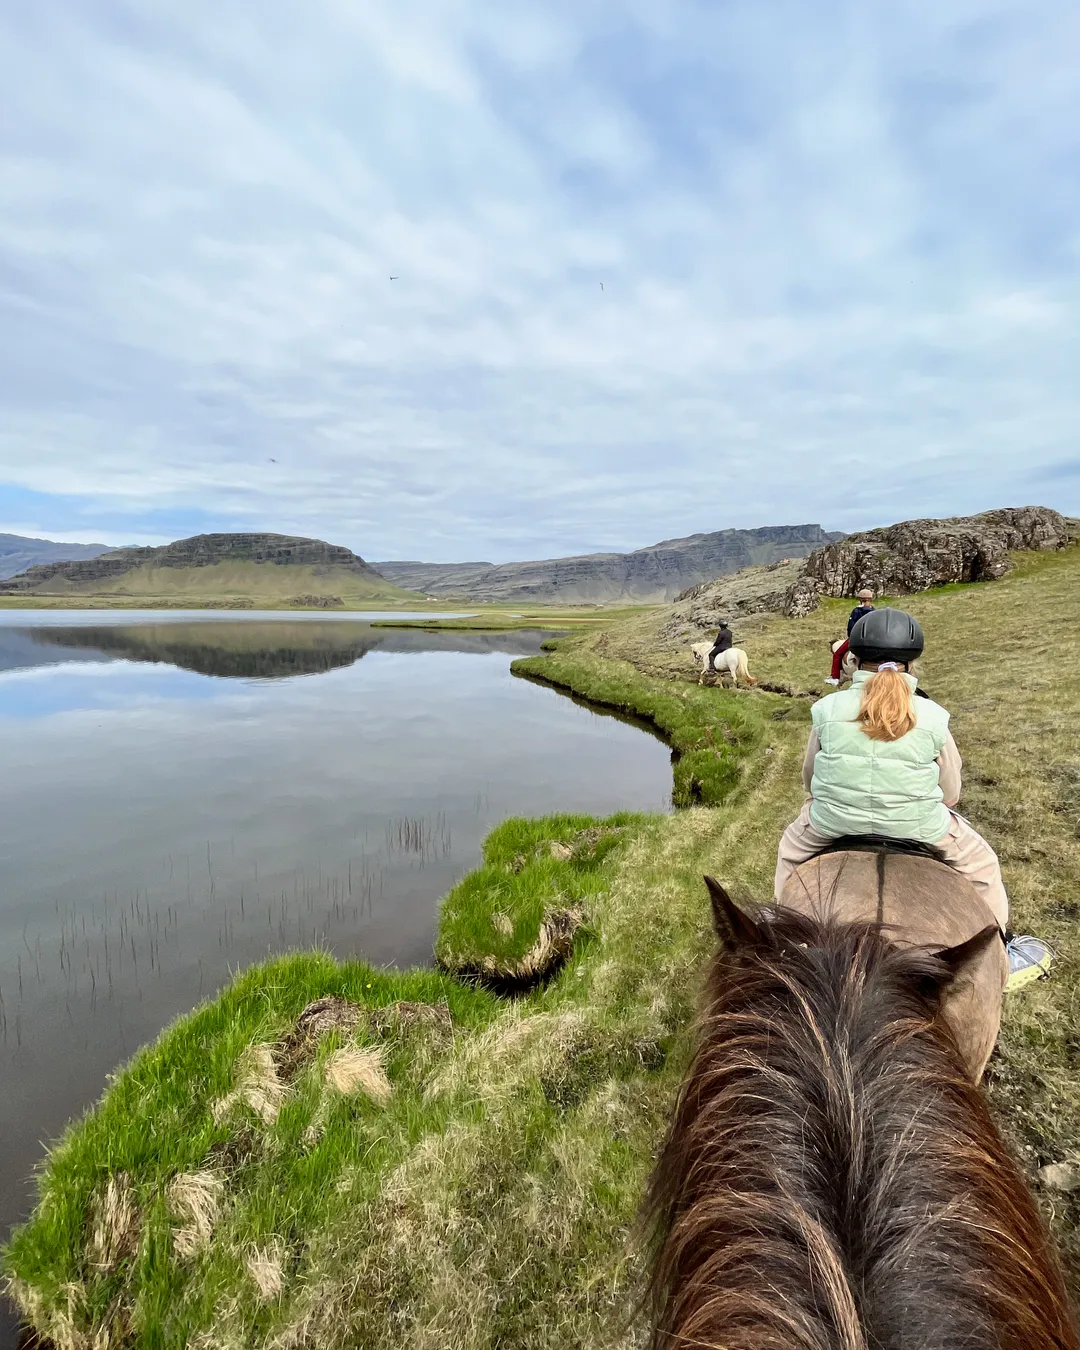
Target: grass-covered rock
x=328 y=1156
x=513 y=922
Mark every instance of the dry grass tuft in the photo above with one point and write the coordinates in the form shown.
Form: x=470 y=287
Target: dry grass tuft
x=502 y=923
x=58 y=1323
x=195 y=1199
x=353 y=1069
x=1066 y=797
x=114 y=1223
x=266 y=1266
x=258 y=1086
x=405 y=1016
x=517 y=1049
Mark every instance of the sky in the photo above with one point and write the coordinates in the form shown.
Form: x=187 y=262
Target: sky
x=661 y=266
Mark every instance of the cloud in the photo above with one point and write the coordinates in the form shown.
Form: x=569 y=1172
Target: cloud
x=837 y=246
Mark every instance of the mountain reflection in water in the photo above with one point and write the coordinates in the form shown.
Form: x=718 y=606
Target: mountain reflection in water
x=270 y=650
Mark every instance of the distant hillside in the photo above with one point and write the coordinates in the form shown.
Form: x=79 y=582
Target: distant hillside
x=440 y=579
x=244 y=570
x=17 y=553
x=651 y=575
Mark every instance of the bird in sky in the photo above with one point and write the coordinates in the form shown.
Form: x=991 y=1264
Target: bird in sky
x=394 y=278
x=601 y=285
x=272 y=460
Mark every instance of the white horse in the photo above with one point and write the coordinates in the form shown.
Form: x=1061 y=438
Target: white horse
x=732 y=662
x=849 y=665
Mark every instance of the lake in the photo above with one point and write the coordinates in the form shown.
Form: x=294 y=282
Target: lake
x=183 y=794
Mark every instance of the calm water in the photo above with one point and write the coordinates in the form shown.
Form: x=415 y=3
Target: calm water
x=180 y=796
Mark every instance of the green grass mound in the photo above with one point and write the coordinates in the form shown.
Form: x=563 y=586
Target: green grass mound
x=223 y=1148
x=513 y=922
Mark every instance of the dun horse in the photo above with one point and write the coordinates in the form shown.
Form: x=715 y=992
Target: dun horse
x=832 y=1179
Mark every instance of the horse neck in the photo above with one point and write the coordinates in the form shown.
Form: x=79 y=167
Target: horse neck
x=832 y=1179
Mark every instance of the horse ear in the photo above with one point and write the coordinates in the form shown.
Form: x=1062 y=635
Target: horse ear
x=733 y=927
x=963 y=957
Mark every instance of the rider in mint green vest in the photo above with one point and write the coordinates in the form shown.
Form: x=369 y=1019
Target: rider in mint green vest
x=864 y=786
x=881 y=761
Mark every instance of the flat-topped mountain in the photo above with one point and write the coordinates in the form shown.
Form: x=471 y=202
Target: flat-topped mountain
x=645 y=576
x=238 y=568
x=18 y=552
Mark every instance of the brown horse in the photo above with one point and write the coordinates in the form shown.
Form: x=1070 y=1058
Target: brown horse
x=918 y=901
x=832 y=1178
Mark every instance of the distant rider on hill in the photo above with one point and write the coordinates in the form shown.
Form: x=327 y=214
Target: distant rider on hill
x=724 y=639
x=865 y=606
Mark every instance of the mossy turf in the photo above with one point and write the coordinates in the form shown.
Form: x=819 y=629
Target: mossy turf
x=488 y=1202
x=530 y=868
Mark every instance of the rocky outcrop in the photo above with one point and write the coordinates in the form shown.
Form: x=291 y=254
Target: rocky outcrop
x=316 y=601
x=17 y=553
x=201 y=550
x=754 y=590
x=898 y=560
x=917 y=554
x=652 y=575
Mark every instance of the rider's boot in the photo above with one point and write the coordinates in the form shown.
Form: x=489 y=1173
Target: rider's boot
x=1029 y=959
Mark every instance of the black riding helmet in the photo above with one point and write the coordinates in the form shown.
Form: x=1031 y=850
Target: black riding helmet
x=887 y=635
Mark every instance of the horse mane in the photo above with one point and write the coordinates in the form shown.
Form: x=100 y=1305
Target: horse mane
x=831 y=1179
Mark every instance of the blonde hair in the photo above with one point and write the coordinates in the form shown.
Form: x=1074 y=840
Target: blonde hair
x=886 y=713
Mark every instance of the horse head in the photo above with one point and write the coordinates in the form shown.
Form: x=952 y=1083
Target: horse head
x=832 y=1176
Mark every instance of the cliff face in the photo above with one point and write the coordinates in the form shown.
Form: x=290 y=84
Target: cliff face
x=201 y=550
x=17 y=553
x=434 y=578
x=646 y=576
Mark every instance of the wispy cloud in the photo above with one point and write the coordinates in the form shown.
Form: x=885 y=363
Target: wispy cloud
x=660 y=267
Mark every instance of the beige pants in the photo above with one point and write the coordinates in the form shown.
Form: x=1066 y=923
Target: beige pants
x=963 y=847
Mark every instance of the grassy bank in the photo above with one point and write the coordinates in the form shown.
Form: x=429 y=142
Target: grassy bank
x=469 y=1178
x=717 y=736
x=503 y=618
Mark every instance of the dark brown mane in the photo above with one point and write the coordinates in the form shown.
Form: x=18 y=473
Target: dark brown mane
x=831 y=1177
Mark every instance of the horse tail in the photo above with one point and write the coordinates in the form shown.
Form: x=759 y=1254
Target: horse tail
x=742 y=669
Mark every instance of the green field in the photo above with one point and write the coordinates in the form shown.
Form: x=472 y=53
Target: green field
x=470 y=1178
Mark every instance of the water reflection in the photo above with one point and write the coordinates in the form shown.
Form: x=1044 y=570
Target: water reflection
x=160 y=829
x=266 y=649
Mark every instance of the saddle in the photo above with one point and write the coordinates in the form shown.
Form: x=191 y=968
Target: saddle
x=918 y=900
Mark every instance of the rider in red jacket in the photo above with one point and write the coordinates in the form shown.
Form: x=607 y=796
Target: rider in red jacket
x=865 y=605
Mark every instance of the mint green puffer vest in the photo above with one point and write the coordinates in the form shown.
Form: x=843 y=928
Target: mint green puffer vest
x=862 y=786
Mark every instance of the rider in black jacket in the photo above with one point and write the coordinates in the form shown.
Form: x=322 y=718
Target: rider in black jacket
x=865 y=605
x=724 y=639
